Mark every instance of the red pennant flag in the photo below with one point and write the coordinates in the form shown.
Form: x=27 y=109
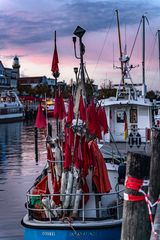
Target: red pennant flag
x=102 y=118
x=100 y=172
x=62 y=113
x=67 y=157
x=82 y=109
x=70 y=115
x=55 y=61
x=59 y=107
x=40 y=118
x=86 y=158
x=92 y=118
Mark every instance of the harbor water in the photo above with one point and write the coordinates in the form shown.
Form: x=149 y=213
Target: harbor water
x=18 y=170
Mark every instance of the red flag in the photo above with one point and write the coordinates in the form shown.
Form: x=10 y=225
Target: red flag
x=41 y=187
x=86 y=158
x=62 y=112
x=92 y=118
x=40 y=118
x=55 y=184
x=100 y=172
x=70 y=115
x=102 y=118
x=82 y=109
x=55 y=61
x=67 y=157
x=59 y=107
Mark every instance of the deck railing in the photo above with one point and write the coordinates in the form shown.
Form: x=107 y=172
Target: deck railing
x=111 y=208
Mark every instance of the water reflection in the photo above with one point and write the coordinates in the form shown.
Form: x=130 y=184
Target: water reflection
x=18 y=170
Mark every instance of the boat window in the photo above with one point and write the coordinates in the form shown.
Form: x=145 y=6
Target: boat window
x=120 y=116
x=133 y=115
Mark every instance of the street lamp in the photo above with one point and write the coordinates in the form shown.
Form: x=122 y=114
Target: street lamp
x=79 y=32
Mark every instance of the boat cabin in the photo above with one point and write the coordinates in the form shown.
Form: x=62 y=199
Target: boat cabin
x=138 y=111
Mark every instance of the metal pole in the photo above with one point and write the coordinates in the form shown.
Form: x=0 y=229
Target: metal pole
x=159 y=50
x=143 y=54
x=36 y=144
x=82 y=67
x=120 y=46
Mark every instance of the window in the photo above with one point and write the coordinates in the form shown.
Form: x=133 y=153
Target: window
x=120 y=116
x=133 y=115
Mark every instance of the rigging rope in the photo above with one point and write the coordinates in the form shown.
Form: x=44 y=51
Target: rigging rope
x=135 y=39
x=105 y=39
x=151 y=54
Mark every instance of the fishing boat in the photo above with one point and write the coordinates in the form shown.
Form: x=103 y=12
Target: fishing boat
x=78 y=195
x=130 y=117
x=79 y=210
x=11 y=109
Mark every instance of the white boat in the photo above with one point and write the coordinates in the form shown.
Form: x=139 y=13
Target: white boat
x=11 y=109
x=138 y=110
x=130 y=110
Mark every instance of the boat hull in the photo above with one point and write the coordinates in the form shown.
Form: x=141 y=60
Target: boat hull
x=82 y=231
x=104 y=233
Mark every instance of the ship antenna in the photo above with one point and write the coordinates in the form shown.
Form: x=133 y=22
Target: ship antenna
x=113 y=58
x=159 y=49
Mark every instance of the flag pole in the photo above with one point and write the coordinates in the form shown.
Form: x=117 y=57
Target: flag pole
x=46 y=112
x=55 y=47
x=56 y=87
x=55 y=72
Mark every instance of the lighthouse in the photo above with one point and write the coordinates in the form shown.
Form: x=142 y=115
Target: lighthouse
x=16 y=66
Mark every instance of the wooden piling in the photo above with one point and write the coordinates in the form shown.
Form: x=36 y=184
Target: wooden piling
x=136 y=223
x=36 y=143
x=154 y=186
x=50 y=129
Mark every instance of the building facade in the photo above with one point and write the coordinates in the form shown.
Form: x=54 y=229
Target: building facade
x=9 y=76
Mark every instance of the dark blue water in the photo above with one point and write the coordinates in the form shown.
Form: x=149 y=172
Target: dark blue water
x=18 y=169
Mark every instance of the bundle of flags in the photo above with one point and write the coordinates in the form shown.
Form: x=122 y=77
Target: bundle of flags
x=59 y=107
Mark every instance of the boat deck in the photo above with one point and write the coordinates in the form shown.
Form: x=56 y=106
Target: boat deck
x=67 y=223
x=119 y=150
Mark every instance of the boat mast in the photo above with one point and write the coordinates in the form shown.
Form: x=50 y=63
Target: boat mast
x=159 y=49
x=120 y=46
x=143 y=57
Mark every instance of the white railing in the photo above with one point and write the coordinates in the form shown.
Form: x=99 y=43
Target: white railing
x=47 y=213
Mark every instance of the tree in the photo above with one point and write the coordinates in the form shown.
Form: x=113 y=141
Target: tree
x=151 y=95
x=107 y=91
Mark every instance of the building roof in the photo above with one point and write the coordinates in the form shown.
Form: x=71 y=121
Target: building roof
x=31 y=80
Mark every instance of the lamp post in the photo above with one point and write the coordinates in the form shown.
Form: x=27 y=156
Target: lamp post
x=79 y=32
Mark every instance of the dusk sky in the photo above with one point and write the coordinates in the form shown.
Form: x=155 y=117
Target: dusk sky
x=27 y=30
